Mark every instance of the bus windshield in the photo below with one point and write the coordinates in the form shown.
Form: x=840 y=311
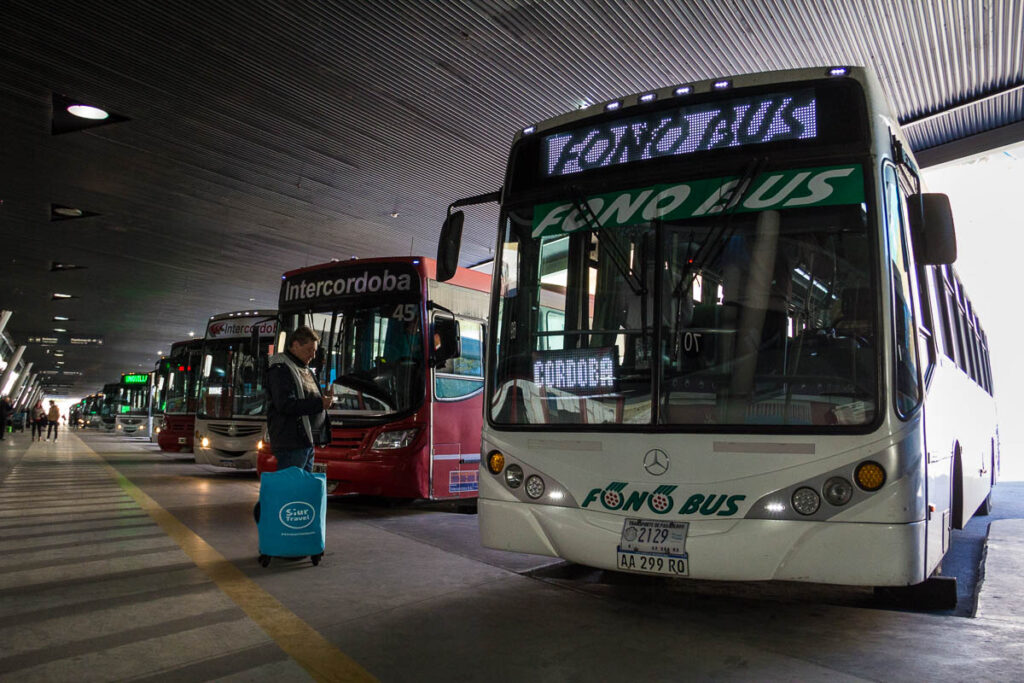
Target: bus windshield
x=180 y=387
x=134 y=400
x=373 y=356
x=232 y=379
x=763 y=314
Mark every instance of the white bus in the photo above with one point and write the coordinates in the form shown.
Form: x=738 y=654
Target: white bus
x=728 y=342
x=231 y=413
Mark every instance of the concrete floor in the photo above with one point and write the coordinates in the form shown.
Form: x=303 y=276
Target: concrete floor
x=119 y=562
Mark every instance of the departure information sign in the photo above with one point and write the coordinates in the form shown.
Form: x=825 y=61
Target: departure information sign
x=576 y=371
x=772 y=117
x=136 y=378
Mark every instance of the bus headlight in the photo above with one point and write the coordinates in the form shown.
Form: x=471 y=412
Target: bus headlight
x=205 y=443
x=534 y=486
x=259 y=445
x=514 y=476
x=119 y=427
x=806 y=500
x=838 y=491
x=869 y=475
x=495 y=462
x=398 y=438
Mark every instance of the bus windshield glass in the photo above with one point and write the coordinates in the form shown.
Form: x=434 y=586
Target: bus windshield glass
x=232 y=378
x=134 y=400
x=692 y=305
x=373 y=356
x=180 y=387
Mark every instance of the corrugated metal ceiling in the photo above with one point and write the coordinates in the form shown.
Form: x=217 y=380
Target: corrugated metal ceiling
x=265 y=136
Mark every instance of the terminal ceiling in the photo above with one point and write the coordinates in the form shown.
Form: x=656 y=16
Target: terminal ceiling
x=261 y=136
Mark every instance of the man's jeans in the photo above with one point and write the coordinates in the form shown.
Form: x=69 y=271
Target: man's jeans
x=295 y=457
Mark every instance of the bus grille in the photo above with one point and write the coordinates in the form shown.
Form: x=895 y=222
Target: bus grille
x=236 y=429
x=346 y=444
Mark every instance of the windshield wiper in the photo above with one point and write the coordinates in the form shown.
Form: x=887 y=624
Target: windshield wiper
x=607 y=244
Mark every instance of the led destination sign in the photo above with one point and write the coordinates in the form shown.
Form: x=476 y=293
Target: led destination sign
x=712 y=125
x=136 y=379
x=576 y=371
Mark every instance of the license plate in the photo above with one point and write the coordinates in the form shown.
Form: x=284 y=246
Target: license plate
x=653 y=546
x=320 y=467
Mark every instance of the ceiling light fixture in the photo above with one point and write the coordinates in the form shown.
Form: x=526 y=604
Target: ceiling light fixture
x=59 y=329
x=58 y=295
x=84 y=111
x=68 y=211
x=61 y=317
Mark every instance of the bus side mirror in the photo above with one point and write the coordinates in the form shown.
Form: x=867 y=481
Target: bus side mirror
x=447 y=340
x=448 y=246
x=931 y=229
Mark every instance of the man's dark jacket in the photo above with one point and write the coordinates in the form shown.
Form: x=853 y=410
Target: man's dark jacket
x=287 y=405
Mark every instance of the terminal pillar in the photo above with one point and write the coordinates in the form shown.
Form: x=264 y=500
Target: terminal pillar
x=22 y=378
x=26 y=390
x=9 y=370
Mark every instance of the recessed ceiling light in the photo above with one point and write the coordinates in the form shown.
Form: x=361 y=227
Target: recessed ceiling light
x=84 y=111
x=68 y=211
x=58 y=295
x=59 y=329
x=61 y=317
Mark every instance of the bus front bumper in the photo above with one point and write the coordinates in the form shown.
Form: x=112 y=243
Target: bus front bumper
x=858 y=554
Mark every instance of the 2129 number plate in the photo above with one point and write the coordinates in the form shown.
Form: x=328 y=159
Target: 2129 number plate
x=653 y=546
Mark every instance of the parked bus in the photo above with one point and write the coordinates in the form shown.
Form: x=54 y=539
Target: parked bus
x=728 y=342
x=406 y=416
x=91 y=406
x=133 y=403
x=181 y=369
x=109 y=406
x=231 y=406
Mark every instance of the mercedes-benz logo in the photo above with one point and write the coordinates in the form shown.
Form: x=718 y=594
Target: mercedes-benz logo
x=656 y=462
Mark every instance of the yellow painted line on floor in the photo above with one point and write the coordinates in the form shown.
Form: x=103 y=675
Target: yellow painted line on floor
x=299 y=640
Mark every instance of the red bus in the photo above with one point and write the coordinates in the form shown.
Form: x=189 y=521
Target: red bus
x=180 y=374
x=407 y=414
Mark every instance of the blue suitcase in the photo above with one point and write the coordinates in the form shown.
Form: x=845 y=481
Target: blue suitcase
x=291 y=517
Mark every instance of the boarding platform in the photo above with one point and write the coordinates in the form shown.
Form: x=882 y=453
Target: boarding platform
x=119 y=562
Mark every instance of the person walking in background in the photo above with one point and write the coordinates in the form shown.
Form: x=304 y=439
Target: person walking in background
x=5 y=413
x=52 y=420
x=38 y=418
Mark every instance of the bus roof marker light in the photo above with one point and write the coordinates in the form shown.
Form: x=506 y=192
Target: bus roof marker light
x=648 y=97
x=723 y=84
x=837 y=71
x=612 y=106
x=683 y=90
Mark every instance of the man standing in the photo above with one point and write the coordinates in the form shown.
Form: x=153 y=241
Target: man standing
x=53 y=419
x=297 y=411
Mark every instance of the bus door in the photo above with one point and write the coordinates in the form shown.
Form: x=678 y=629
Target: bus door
x=457 y=415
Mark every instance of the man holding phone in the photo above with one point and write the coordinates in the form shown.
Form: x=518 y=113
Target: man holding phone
x=297 y=419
